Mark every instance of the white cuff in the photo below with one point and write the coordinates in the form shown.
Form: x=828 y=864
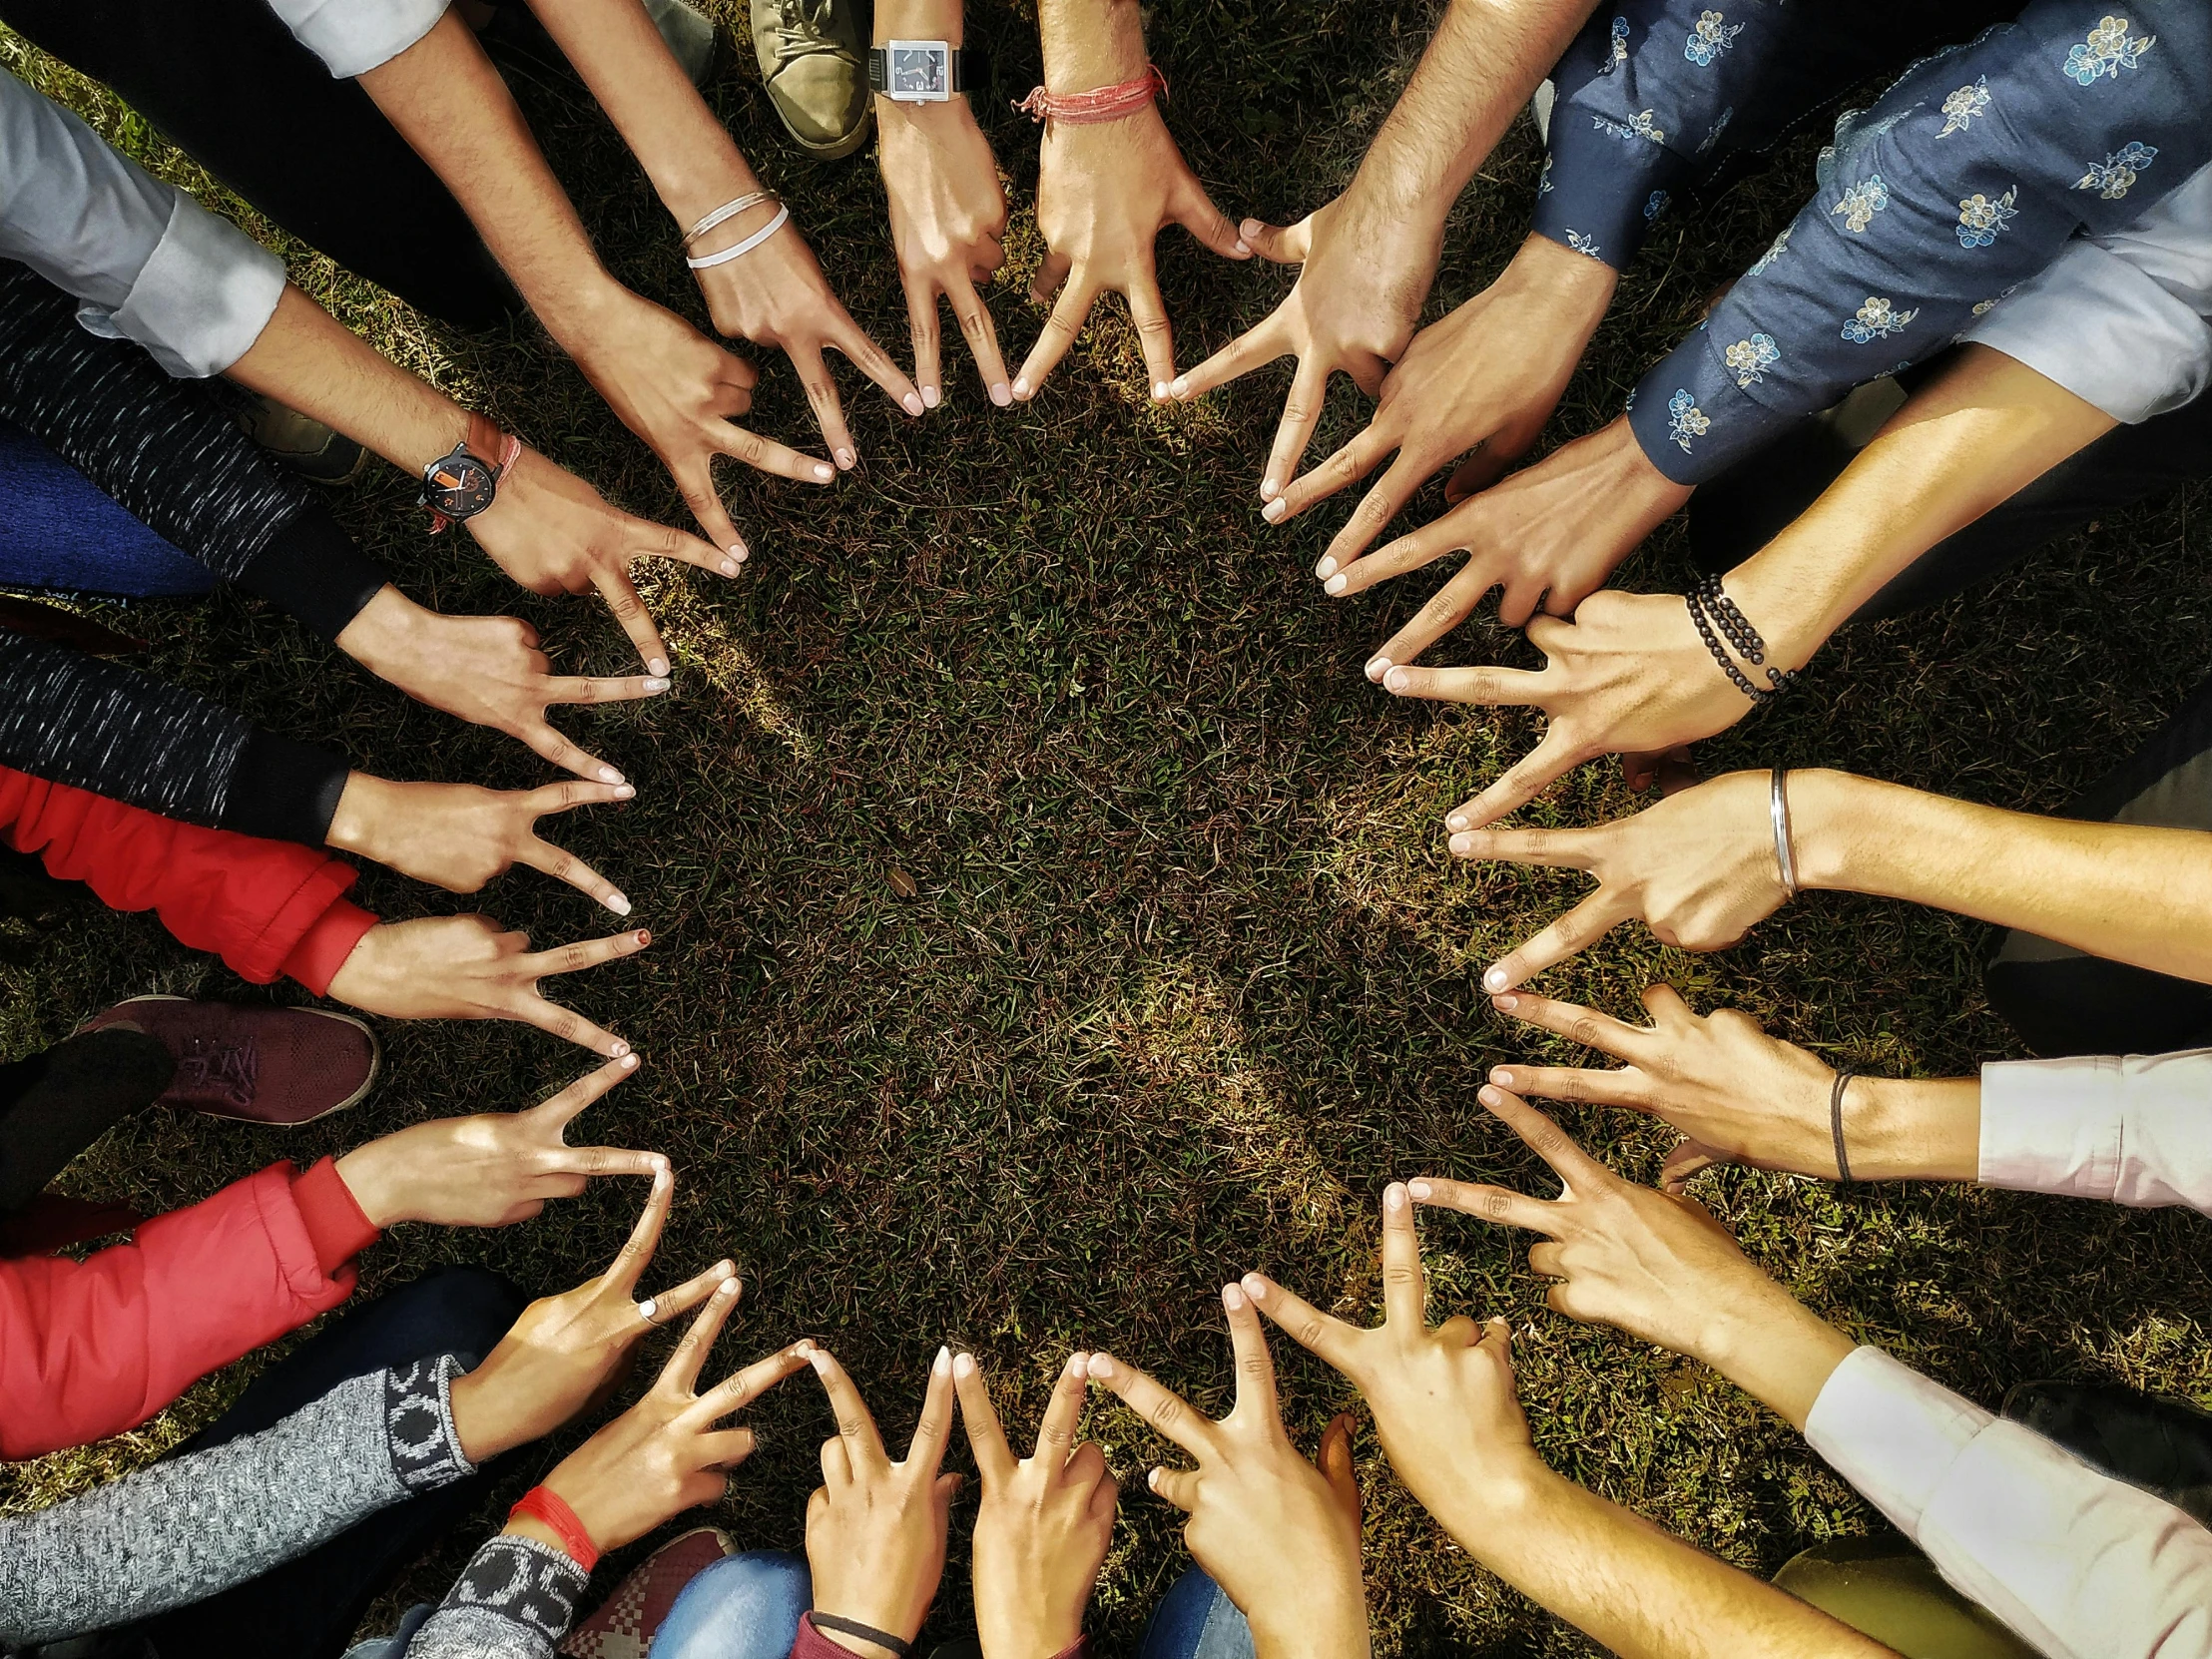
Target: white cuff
x=352 y=37
x=202 y=298
x=1892 y=1432
x=2052 y=1126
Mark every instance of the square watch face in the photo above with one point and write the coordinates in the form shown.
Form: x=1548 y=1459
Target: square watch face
x=919 y=69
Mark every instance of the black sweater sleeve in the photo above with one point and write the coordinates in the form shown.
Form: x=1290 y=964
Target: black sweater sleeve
x=101 y=726
x=173 y=459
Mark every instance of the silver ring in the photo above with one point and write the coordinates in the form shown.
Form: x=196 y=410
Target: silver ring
x=647 y=1309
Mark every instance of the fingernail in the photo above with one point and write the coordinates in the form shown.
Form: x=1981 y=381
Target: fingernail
x=1457 y=820
x=803 y=1348
x=1022 y=388
x=1269 y=489
x=656 y=684
x=1273 y=512
x=1180 y=386
x=1378 y=667
x=738 y=549
x=1326 y=568
x=644 y=938
x=1393 y=1197
x=999 y=395
x=1152 y=1479
x=617 y=904
x=1160 y=390
x=845 y=460
x=1335 y=585
x=1249 y=230
x=661 y=1178
x=1502 y=1076
x=1461 y=844
x=728 y=1289
x=1489 y=1096
x=1232 y=1299
x=823 y=473
x=1244 y=247
x=963 y=1365
x=819 y=1359
x=1505 y=1003
x=942 y=1364
x=730 y=567
x=657 y=666
x=1079 y=1364
x=608 y=775
x=1420 y=1190
x=620 y=1049
x=1494 y=980
x=629 y=1062
x=626 y=792
x=929 y=396
x=914 y=403
x=1254 y=1287
x=1102 y=1364
x=1396 y=679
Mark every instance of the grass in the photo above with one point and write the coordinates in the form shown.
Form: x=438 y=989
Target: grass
x=1189 y=974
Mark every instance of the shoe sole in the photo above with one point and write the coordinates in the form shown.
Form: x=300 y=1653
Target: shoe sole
x=831 y=152
x=375 y=1062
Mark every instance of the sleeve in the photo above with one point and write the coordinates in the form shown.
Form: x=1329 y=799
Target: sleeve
x=95 y=725
x=2132 y=1131
x=90 y=1349
x=267 y=907
x=148 y=262
x=188 y=1527
x=2125 y=320
x=514 y=1601
x=173 y=459
x=2081 y=1565
x=352 y=37
x=1655 y=94
x=1965 y=179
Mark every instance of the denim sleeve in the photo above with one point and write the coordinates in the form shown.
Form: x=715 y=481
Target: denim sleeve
x=1965 y=179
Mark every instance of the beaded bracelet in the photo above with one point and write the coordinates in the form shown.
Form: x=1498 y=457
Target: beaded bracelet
x=1101 y=103
x=1711 y=610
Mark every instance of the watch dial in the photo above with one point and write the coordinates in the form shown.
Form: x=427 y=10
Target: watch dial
x=919 y=71
x=459 y=487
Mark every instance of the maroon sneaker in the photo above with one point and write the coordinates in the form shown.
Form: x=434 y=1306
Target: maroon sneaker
x=276 y=1066
x=624 y=1627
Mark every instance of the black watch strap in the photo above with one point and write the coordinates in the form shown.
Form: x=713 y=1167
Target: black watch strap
x=970 y=69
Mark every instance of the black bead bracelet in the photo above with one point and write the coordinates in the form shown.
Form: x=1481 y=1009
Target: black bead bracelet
x=1716 y=615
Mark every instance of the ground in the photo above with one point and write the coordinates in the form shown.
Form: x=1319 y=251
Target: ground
x=1189 y=974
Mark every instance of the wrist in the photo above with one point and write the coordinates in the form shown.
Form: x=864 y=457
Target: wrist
x=1825 y=808
x=483 y=1429
x=364 y=808
x=1773 y=1346
x=1791 y=613
x=920 y=20
x=1027 y=1633
x=1505 y=1499
x=372 y=1175
x=1576 y=287
x=382 y=631
x=860 y=1644
x=1108 y=51
x=1914 y=1128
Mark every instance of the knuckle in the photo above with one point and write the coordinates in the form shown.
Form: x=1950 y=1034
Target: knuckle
x=1494 y=1205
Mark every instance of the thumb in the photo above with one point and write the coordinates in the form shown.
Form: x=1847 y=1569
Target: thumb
x=1334 y=1459
x=1686 y=1160
x=947 y=1489
x=1282 y=244
x=1209 y=224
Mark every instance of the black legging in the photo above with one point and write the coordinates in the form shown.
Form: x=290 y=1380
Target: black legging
x=2058 y=999
x=225 y=81
x=55 y=1104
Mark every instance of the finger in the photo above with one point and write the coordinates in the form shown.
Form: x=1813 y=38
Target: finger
x=577 y=688
x=1318 y=1333
x=663 y=541
x=566 y=1024
x=994 y=1460
x=1166 y=1410
x=1155 y=334
x=925 y=1453
x=1667 y=1009
x=584 y=953
x=1404 y=1288
x=725 y=1451
x=981 y=335
x=1515 y=687
x=1063 y=1412
x=1478 y=473
x=598 y=1161
x=1058 y=334
x=859 y=349
x=622 y=1275
x=1523 y=781
x=1334 y=1459
x=856 y=1423
x=1280 y=244
x=553 y=1115
x=744 y=1386
x=1248 y=1339
x=1411 y=551
x=767 y=455
x=1347 y=465
x=541 y=855
x=1499 y=1206
x=1194 y=209
x=1300 y=415
x=615 y=588
x=549 y=745
x=1546 y=1139
x=1578 y=930
x=1577 y=1025
x=1052 y=270
x=548 y=800
x=1547 y=1260
x=696 y=483
x=1255 y=349
x=1691 y=1158
x=921 y=328
x=1446 y=608
x=1177 y=1486
x=1580 y=1084
x=681 y=1373
x=822 y=397
x=1549 y=848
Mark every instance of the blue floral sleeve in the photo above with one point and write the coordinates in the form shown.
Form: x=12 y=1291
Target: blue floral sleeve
x=1962 y=181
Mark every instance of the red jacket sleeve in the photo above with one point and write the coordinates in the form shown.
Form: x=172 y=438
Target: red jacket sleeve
x=265 y=907
x=89 y=1349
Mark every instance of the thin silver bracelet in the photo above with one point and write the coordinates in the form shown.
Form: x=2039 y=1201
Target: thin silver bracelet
x=1778 y=808
x=1836 y=1120
x=738 y=249
x=726 y=211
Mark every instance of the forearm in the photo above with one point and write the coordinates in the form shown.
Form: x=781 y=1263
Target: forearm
x=2125 y=892
x=1632 y=1588
x=1965 y=443
x=920 y=20
x=1090 y=42
x=447 y=101
x=1914 y=1128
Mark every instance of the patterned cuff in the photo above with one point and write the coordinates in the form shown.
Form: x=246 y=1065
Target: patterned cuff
x=1691 y=416
x=522 y=1583
x=418 y=1424
x=1604 y=185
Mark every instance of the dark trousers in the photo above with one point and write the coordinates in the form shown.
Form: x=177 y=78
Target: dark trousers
x=56 y=1104
x=2058 y=999
x=308 y=1607
x=225 y=81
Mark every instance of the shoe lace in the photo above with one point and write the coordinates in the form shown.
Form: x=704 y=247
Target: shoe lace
x=804 y=29
x=224 y=1071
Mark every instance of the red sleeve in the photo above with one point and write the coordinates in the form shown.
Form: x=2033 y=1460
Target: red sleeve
x=264 y=907
x=90 y=1349
x=337 y=1227
x=813 y=1644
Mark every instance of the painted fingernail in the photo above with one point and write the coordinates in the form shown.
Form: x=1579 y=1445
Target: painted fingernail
x=1495 y=980
x=626 y=792
x=1457 y=820
x=1326 y=568
x=915 y=403
x=845 y=460
x=608 y=775
x=1001 y=394
x=1160 y=390
x=1269 y=489
x=1420 y=1190
x=1393 y=1197
x=1180 y=386
x=929 y=396
x=1335 y=585
x=656 y=665
x=617 y=904
x=823 y=472
x=1022 y=388
x=656 y=684
x=1102 y=1364
x=1378 y=667
x=1273 y=512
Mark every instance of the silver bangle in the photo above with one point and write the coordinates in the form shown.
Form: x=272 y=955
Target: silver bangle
x=726 y=211
x=1778 y=808
x=738 y=249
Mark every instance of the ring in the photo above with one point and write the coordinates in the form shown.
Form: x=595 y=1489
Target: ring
x=647 y=1309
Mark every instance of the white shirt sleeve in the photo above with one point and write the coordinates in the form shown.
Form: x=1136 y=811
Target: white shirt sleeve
x=2079 y=1564
x=2128 y=1131
x=148 y=263
x=352 y=37
x=2123 y=321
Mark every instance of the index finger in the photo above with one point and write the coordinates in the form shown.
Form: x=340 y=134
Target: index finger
x=925 y=1453
x=1549 y=848
x=1546 y=1139
x=1155 y=334
x=1577 y=1025
x=560 y=1110
x=562 y=865
x=636 y=1254
x=1499 y=1206
x=1514 y=687
x=1069 y=313
x=1063 y=1412
x=576 y=688
x=622 y=598
x=860 y=350
x=1254 y=348
x=1255 y=1365
x=1346 y=466
x=744 y=1386
x=1300 y=415
x=690 y=1353
x=584 y=953
x=667 y=542
x=1527 y=778
x=1318 y=1333
x=1405 y=1286
x=856 y=1423
x=994 y=1460
x=981 y=335
x=1166 y=1410
x=565 y=1023
x=1578 y=930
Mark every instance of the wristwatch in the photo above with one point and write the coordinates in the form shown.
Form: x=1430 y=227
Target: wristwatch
x=462 y=484
x=925 y=71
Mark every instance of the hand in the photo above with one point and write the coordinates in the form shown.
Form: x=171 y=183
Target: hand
x=1484 y=379
x=1104 y=193
x=1548 y=535
x=1699 y=869
x=776 y=295
x=459 y=837
x=1367 y=267
x=464 y=967
x=1044 y=1527
x=947 y=215
x=553 y=533
x=486 y=670
x=1279 y=1535
x=665 y=1456
x=491 y=1170
x=567 y=1349
x=1654 y=1265
x=1442 y=1397
x=1628 y=676
x=875 y=1528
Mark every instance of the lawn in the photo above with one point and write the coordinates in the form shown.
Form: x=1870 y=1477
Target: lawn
x=1188 y=974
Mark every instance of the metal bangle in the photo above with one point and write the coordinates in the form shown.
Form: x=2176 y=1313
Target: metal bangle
x=726 y=211
x=738 y=249
x=1778 y=808
x=1836 y=1120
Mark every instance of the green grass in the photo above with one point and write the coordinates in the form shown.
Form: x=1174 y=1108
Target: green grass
x=1190 y=974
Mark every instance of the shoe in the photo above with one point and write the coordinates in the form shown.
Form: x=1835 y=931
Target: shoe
x=817 y=77
x=625 y=1626
x=2162 y=1445
x=308 y=447
x=276 y=1066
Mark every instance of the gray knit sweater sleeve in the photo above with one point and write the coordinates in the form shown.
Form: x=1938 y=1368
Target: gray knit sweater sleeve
x=514 y=1600
x=183 y=1529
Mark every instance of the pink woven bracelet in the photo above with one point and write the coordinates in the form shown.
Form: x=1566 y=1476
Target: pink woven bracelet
x=1085 y=109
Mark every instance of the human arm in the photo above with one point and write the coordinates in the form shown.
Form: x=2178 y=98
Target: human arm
x=461 y=837
x=1369 y=257
x=1105 y=190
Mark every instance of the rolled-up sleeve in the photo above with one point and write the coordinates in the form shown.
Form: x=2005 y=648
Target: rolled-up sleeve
x=144 y=261
x=352 y=37
x=2134 y=1130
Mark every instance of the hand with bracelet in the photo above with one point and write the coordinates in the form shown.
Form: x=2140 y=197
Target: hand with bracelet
x=461 y=837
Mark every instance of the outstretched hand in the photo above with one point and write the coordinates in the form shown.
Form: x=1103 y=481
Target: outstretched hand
x=948 y=214
x=1280 y=1535
x=461 y=837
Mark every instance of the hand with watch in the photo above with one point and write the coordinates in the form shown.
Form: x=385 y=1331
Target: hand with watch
x=947 y=208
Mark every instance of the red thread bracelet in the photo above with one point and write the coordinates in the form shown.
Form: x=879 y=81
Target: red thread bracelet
x=1102 y=104
x=541 y=1504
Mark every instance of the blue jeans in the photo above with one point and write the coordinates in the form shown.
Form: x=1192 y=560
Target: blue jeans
x=1196 y=1620
x=61 y=532
x=742 y=1607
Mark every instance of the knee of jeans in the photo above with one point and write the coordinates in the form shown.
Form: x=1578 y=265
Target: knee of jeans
x=1196 y=1620
x=745 y=1607
x=471 y=1306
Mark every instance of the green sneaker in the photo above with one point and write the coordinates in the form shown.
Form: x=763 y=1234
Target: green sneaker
x=816 y=72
